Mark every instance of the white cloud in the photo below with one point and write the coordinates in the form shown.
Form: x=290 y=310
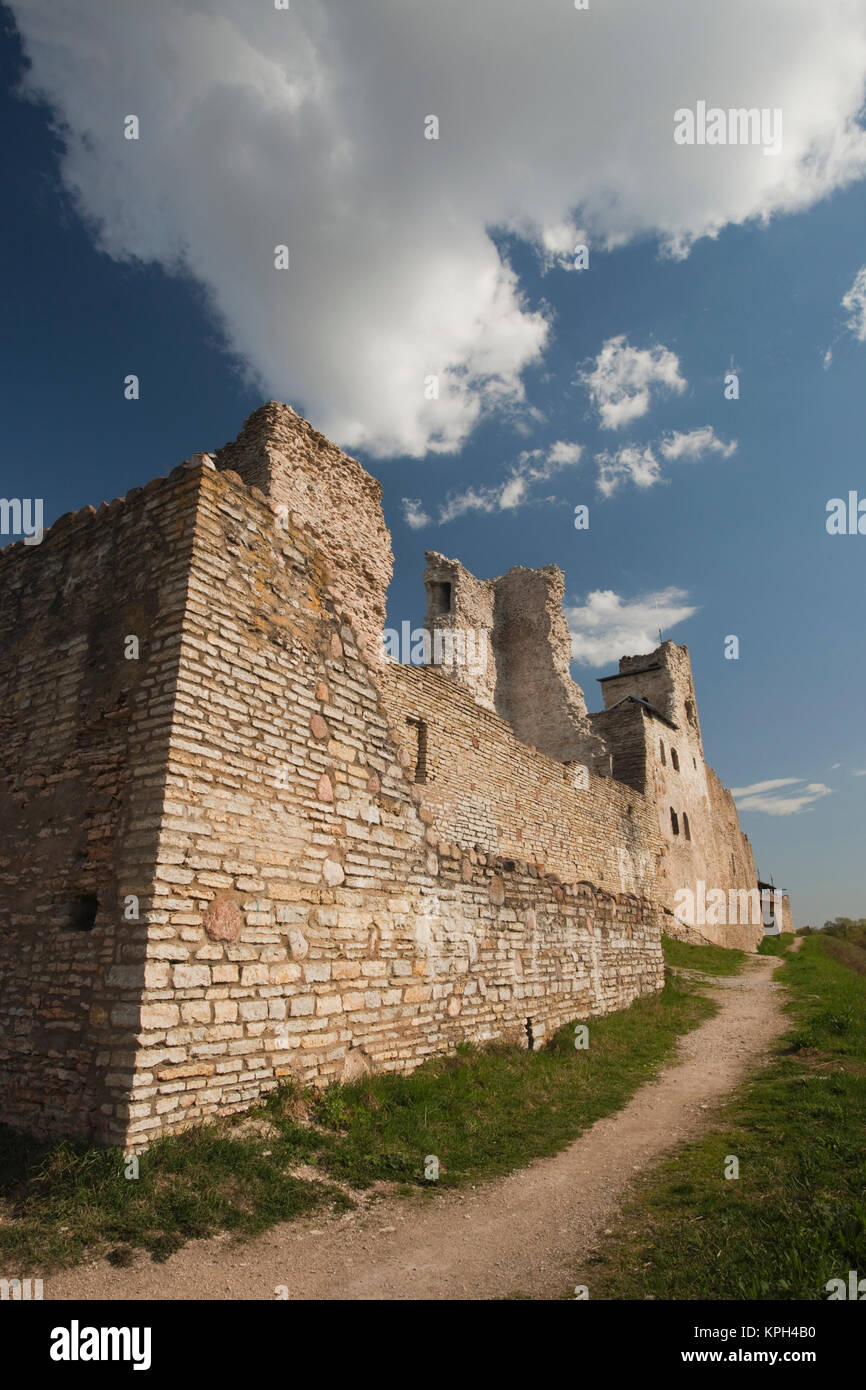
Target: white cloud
x=561 y=452
x=532 y=466
x=414 y=514
x=854 y=300
x=758 y=788
x=859 y=772
x=695 y=444
x=557 y=244
x=305 y=127
x=638 y=464
x=631 y=462
x=606 y=626
x=759 y=796
x=622 y=380
x=485 y=499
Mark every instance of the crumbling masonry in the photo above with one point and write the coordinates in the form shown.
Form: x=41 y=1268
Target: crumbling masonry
x=238 y=844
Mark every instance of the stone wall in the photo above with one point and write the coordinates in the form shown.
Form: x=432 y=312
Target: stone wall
x=313 y=918
x=487 y=788
x=258 y=850
x=331 y=498
x=527 y=645
x=85 y=735
x=705 y=848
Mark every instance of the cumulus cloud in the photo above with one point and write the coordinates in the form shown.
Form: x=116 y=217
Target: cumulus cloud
x=854 y=301
x=607 y=626
x=694 y=444
x=764 y=796
x=305 y=127
x=414 y=514
x=532 y=466
x=621 y=382
x=637 y=463
x=630 y=463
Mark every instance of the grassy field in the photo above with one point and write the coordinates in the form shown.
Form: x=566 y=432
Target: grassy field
x=796 y=1215
x=479 y=1113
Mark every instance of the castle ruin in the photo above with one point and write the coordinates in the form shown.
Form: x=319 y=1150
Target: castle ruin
x=239 y=844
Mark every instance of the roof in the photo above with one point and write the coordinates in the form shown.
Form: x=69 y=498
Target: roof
x=644 y=704
x=638 y=671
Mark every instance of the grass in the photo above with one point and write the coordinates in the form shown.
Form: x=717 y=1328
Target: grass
x=796 y=1215
x=776 y=945
x=710 y=960
x=481 y=1113
x=74 y=1201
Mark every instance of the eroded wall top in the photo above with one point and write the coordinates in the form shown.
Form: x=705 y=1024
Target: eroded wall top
x=329 y=495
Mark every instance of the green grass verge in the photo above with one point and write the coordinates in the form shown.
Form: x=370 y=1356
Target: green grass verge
x=796 y=1215
x=480 y=1113
x=710 y=960
x=776 y=945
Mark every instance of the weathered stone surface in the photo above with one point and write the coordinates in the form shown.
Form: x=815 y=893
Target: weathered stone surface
x=355 y=1065
x=298 y=945
x=222 y=921
x=318 y=727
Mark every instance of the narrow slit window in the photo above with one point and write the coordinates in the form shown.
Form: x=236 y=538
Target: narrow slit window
x=686 y=831
x=675 y=825
x=675 y=760
x=418 y=771
x=662 y=752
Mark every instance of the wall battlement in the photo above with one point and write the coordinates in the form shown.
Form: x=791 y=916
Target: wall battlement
x=223 y=857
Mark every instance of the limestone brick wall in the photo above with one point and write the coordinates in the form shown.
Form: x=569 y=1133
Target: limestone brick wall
x=526 y=678
x=469 y=610
x=697 y=819
x=316 y=892
x=487 y=788
x=313 y=918
x=329 y=496
x=85 y=737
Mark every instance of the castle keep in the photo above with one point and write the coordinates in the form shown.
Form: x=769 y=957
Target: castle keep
x=239 y=844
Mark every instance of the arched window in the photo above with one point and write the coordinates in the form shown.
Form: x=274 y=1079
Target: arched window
x=675 y=825
x=675 y=760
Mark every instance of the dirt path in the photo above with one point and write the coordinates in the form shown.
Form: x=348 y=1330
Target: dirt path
x=522 y=1234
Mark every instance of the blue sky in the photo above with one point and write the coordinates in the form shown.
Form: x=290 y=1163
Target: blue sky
x=735 y=533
